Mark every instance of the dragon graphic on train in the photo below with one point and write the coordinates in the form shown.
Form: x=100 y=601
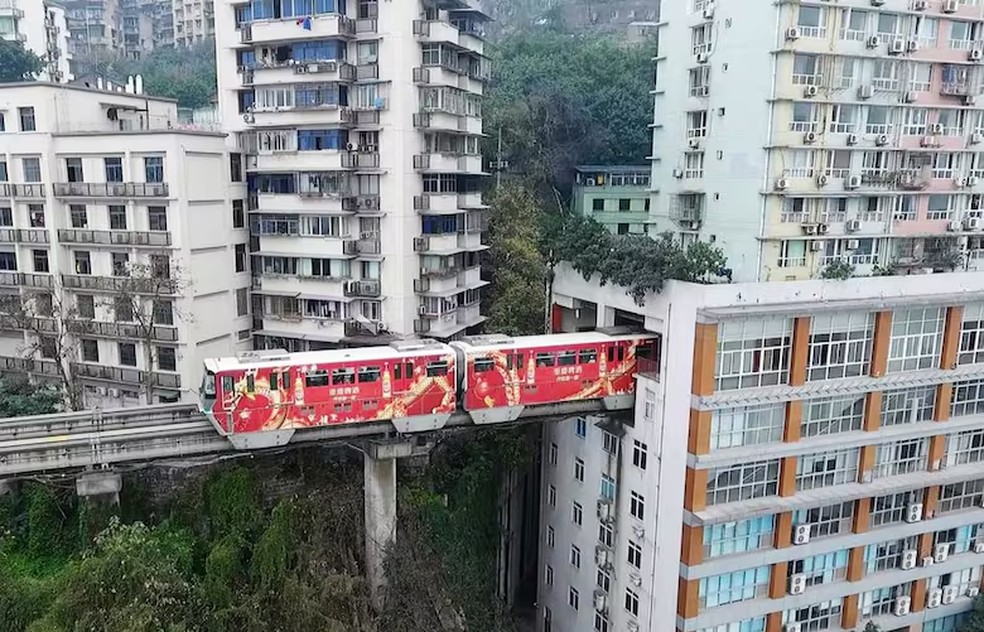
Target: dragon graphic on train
x=262 y=398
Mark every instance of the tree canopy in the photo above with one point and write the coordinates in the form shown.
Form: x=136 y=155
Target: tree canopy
x=20 y=398
x=17 y=63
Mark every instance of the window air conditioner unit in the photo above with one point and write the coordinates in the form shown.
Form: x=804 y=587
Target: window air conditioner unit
x=949 y=595
x=909 y=559
x=853 y=244
x=792 y=33
x=949 y=6
x=902 y=605
x=873 y=41
x=941 y=552
x=934 y=598
x=810 y=91
x=853 y=225
x=852 y=139
x=897 y=47
x=853 y=182
x=797 y=584
x=913 y=512
x=801 y=534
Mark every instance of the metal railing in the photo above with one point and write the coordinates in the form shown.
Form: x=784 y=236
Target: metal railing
x=111 y=189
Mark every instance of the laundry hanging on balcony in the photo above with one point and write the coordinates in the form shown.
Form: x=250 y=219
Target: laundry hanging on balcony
x=304 y=23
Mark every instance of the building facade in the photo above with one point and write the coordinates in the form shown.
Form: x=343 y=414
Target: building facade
x=95 y=28
x=193 y=21
x=126 y=238
x=803 y=133
x=361 y=125
x=804 y=456
x=615 y=196
x=43 y=29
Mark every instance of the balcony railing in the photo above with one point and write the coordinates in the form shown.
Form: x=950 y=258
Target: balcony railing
x=120 y=284
x=366 y=25
x=25 y=279
x=111 y=189
x=360 y=160
x=114 y=237
x=22 y=190
x=28 y=365
x=363 y=289
x=24 y=235
x=366 y=72
x=125 y=375
x=106 y=329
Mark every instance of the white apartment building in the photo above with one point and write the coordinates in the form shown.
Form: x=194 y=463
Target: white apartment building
x=193 y=20
x=361 y=122
x=42 y=27
x=95 y=187
x=806 y=132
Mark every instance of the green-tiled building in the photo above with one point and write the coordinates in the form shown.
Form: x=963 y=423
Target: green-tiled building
x=616 y=196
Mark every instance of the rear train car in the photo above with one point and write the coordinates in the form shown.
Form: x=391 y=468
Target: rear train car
x=500 y=375
x=261 y=399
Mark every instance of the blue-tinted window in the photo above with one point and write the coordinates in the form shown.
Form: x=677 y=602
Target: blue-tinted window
x=728 y=538
x=318 y=51
x=321 y=139
x=581 y=429
x=439 y=224
x=607 y=487
x=276 y=183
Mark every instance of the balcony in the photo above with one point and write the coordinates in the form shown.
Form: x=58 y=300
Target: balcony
x=10 y=364
x=367 y=72
x=114 y=237
x=111 y=189
x=9 y=8
x=285 y=30
x=360 y=160
x=152 y=287
x=24 y=235
x=448 y=323
x=26 y=191
x=368 y=246
x=106 y=329
x=25 y=279
x=448 y=163
x=362 y=289
x=123 y=375
x=366 y=25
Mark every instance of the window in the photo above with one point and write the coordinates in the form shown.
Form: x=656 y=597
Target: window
x=128 y=353
x=697 y=124
x=632 y=602
x=90 y=350
x=892 y=508
x=551 y=537
x=743 y=585
x=240 y=254
x=86 y=305
x=700 y=81
x=884 y=556
x=693 y=164
x=31 y=168
x=812 y=21
x=36 y=215
x=908 y=405
x=157 y=218
x=639 y=454
x=117 y=217
x=548 y=575
x=840 y=345
x=606 y=534
x=581 y=427
x=609 y=443
x=607 y=487
x=83 y=264
x=238 y=215
x=792 y=254
x=154 y=169
x=637 y=506
x=901 y=457
x=575 y=557
x=971 y=349
x=747 y=425
x=73 y=167
x=700 y=38
x=123 y=309
x=4 y=176
x=601 y=623
x=160 y=266
x=579 y=470
x=634 y=554
x=554 y=450
x=804 y=117
x=965 y=447
x=40 y=259
x=806 y=70
x=821 y=569
x=577 y=513
x=824 y=469
x=78 y=215
x=825 y=615
x=832 y=415
x=598 y=205
x=573 y=597
x=882 y=601
x=163 y=312
x=624 y=204
x=729 y=538
x=167 y=358
x=27 y=122
x=551 y=495
x=235 y=167
x=242 y=301
x=3 y=123
x=916 y=338
x=742 y=482
x=114 y=169
x=753 y=352
x=121 y=264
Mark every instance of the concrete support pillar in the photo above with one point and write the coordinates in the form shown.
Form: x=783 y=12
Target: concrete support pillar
x=380 y=511
x=6 y=487
x=105 y=485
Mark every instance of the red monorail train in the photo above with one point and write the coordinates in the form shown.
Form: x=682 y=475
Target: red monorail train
x=260 y=399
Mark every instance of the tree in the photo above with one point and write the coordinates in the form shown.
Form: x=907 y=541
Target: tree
x=975 y=620
x=838 y=269
x=143 y=299
x=17 y=63
x=20 y=398
x=516 y=301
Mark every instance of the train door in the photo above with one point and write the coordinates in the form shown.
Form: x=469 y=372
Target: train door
x=227 y=395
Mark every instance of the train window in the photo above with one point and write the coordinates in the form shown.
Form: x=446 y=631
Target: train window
x=369 y=374
x=519 y=361
x=285 y=380
x=437 y=369
x=621 y=353
x=208 y=385
x=644 y=350
x=316 y=378
x=343 y=376
x=566 y=358
x=250 y=383
x=484 y=364
x=544 y=359
x=370 y=404
x=587 y=356
x=397 y=371
x=273 y=380
x=228 y=385
x=611 y=354
x=509 y=361
x=408 y=370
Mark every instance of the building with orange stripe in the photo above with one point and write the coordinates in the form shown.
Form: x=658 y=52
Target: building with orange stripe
x=805 y=456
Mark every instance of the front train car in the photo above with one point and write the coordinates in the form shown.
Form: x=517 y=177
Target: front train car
x=260 y=400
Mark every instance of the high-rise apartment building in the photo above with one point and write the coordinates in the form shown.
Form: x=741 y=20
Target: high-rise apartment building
x=193 y=21
x=796 y=134
x=95 y=27
x=361 y=123
x=138 y=25
x=119 y=232
x=803 y=456
x=42 y=27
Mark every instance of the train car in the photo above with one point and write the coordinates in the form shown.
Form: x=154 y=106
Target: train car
x=500 y=375
x=261 y=399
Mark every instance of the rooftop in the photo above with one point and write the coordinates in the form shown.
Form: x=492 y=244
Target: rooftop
x=612 y=168
x=116 y=94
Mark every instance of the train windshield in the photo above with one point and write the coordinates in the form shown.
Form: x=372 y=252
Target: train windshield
x=208 y=384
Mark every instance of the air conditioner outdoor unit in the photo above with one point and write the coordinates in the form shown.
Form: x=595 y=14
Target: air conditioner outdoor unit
x=927 y=561
x=801 y=535
x=936 y=128
x=114 y=392
x=701 y=58
x=709 y=11
x=954 y=226
x=853 y=225
x=881 y=140
x=604 y=510
x=978 y=547
x=975 y=54
x=902 y=605
x=600 y=602
x=934 y=598
x=897 y=47
x=822 y=180
x=822 y=229
x=603 y=557
x=792 y=627
x=792 y=33
x=910 y=96
x=912 y=46
x=949 y=595
x=782 y=184
x=969 y=99
x=866 y=92
x=961 y=182
x=693 y=143
x=920 y=5
x=928 y=141
x=852 y=139
x=976 y=138
x=810 y=91
x=677 y=172
x=949 y=6
x=941 y=552
x=873 y=41
x=635 y=579
x=913 y=512
x=809 y=229
x=973 y=591
x=853 y=182
x=853 y=244
x=877 y=3
x=810 y=137
x=816 y=246
x=909 y=558
x=797 y=584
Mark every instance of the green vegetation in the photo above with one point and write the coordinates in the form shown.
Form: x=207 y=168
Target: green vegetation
x=19 y=397
x=840 y=270
x=975 y=620
x=17 y=63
